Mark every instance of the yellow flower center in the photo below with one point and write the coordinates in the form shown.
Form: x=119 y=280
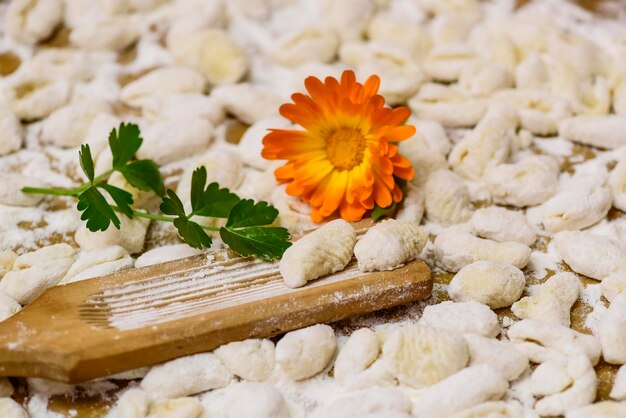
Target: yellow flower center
x=345 y=147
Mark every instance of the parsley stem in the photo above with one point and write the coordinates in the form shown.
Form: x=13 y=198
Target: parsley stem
x=53 y=191
x=161 y=218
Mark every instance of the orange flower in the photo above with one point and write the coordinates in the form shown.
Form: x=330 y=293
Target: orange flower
x=345 y=160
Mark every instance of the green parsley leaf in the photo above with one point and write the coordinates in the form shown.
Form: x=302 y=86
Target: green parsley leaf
x=192 y=233
x=246 y=213
x=171 y=205
x=210 y=201
x=144 y=175
x=124 y=143
x=96 y=210
x=264 y=242
x=379 y=212
x=86 y=161
x=121 y=197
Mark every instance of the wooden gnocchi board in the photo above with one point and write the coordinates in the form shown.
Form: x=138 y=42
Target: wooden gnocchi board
x=144 y=316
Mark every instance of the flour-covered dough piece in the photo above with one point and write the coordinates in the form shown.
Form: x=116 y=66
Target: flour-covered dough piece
x=255 y=400
x=98 y=262
x=177 y=106
x=470 y=317
x=529 y=182
x=550 y=377
x=31 y=96
x=420 y=355
x=487 y=145
x=11 y=191
x=251 y=143
x=186 y=376
x=618 y=391
x=162 y=81
x=604 y=409
x=324 y=251
x=68 y=125
x=582 y=202
x=11 y=409
x=7 y=259
x=131 y=235
x=613 y=285
x=311 y=43
x=133 y=403
x=494 y=409
x=412 y=207
x=590 y=254
x=31 y=21
x=8 y=307
x=612 y=331
x=455 y=249
x=451 y=108
x=552 y=302
x=617 y=183
x=493 y=283
x=166 y=253
x=424 y=157
x=446 y=61
x=597 y=131
x=11 y=131
x=210 y=51
x=543 y=341
x=176 y=408
x=532 y=73
x=379 y=402
x=112 y=33
x=306 y=352
x=581 y=391
x=165 y=142
x=251 y=359
x=468 y=387
x=482 y=78
x=388 y=245
x=500 y=224
x=447 y=198
x=501 y=355
x=248 y=102
x=37 y=271
x=357 y=354
x=348 y=18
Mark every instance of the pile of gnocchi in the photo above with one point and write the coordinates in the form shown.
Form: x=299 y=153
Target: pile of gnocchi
x=517 y=202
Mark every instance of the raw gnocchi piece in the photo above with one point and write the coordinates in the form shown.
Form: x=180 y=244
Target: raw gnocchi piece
x=358 y=353
x=412 y=207
x=186 y=376
x=528 y=182
x=31 y=21
x=597 y=131
x=176 y=408
x=11 y=132
x=251 y=143
x=492 y=283
x=582 y=390
x=248 y=102
x=177 y=106
x=131 y=235
x=160 y=82
x=11 y=409
x=173 y=140
x=500 y=355
x=37 y=271
x=447 y=198
x=612 y=331
x=550 y=377
x=165 y=253
x=69 y=125
x=306 y=352
x=532 y=73
x=499 y=409
x=134 y=403
x=447 y=106
x=543 y=341
x=590 y=254
x=617 y=183
x=252 y=400
x=97 y=136
x=487 y=145
x=613 y=285
x=619 y=98
x=388 y=245
x=306 y=44
x=33 y=97
x=472 y=317
x=420 y=356
x=212 y=52
x=454 y=394
x=553 y=302
x=500 y=224
x=456 y=249
x=445 y=62
x=98 y=262
x=604 y=409
x=424 y=158
x=292 y=215
x=430 y=133
x=482 y=78
x=324 y=251
x=11 y=191
x=618 y=391
x=8 y=308
x=7 y=259
x=105 y=34
x=453 y=27
x=252 y=359
x=396 y=27
x=68 y=63
x=388 y=402
x=348 y=18
x=142 y=199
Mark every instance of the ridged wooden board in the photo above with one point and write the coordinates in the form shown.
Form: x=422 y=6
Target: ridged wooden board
x=144 y=316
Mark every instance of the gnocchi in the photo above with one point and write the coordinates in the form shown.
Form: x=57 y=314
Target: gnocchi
x=69 y=125
x=33 y=97
x=249 y=400
x=8 y=308
x=162 y=81
x=31 y=21
x=306 y=352
x=107 y=34
x=501 y=355
x=447 y=198
x=98 y=262
x=618 y=391
x=368 y=403
x=466 y=317
x=11 y=132
x=252 y=359
x=165 y=253
x=613 y=285
x=131 y=235
x=612 y=331
x=500 y=224
x=449 y=107
x=358 y=353
x=597 y=131
x=412 y=207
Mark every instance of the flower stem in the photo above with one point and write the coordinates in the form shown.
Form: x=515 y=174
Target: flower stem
x=56 y=192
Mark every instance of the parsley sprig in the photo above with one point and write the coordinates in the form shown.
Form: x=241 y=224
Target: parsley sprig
x=247 y=230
